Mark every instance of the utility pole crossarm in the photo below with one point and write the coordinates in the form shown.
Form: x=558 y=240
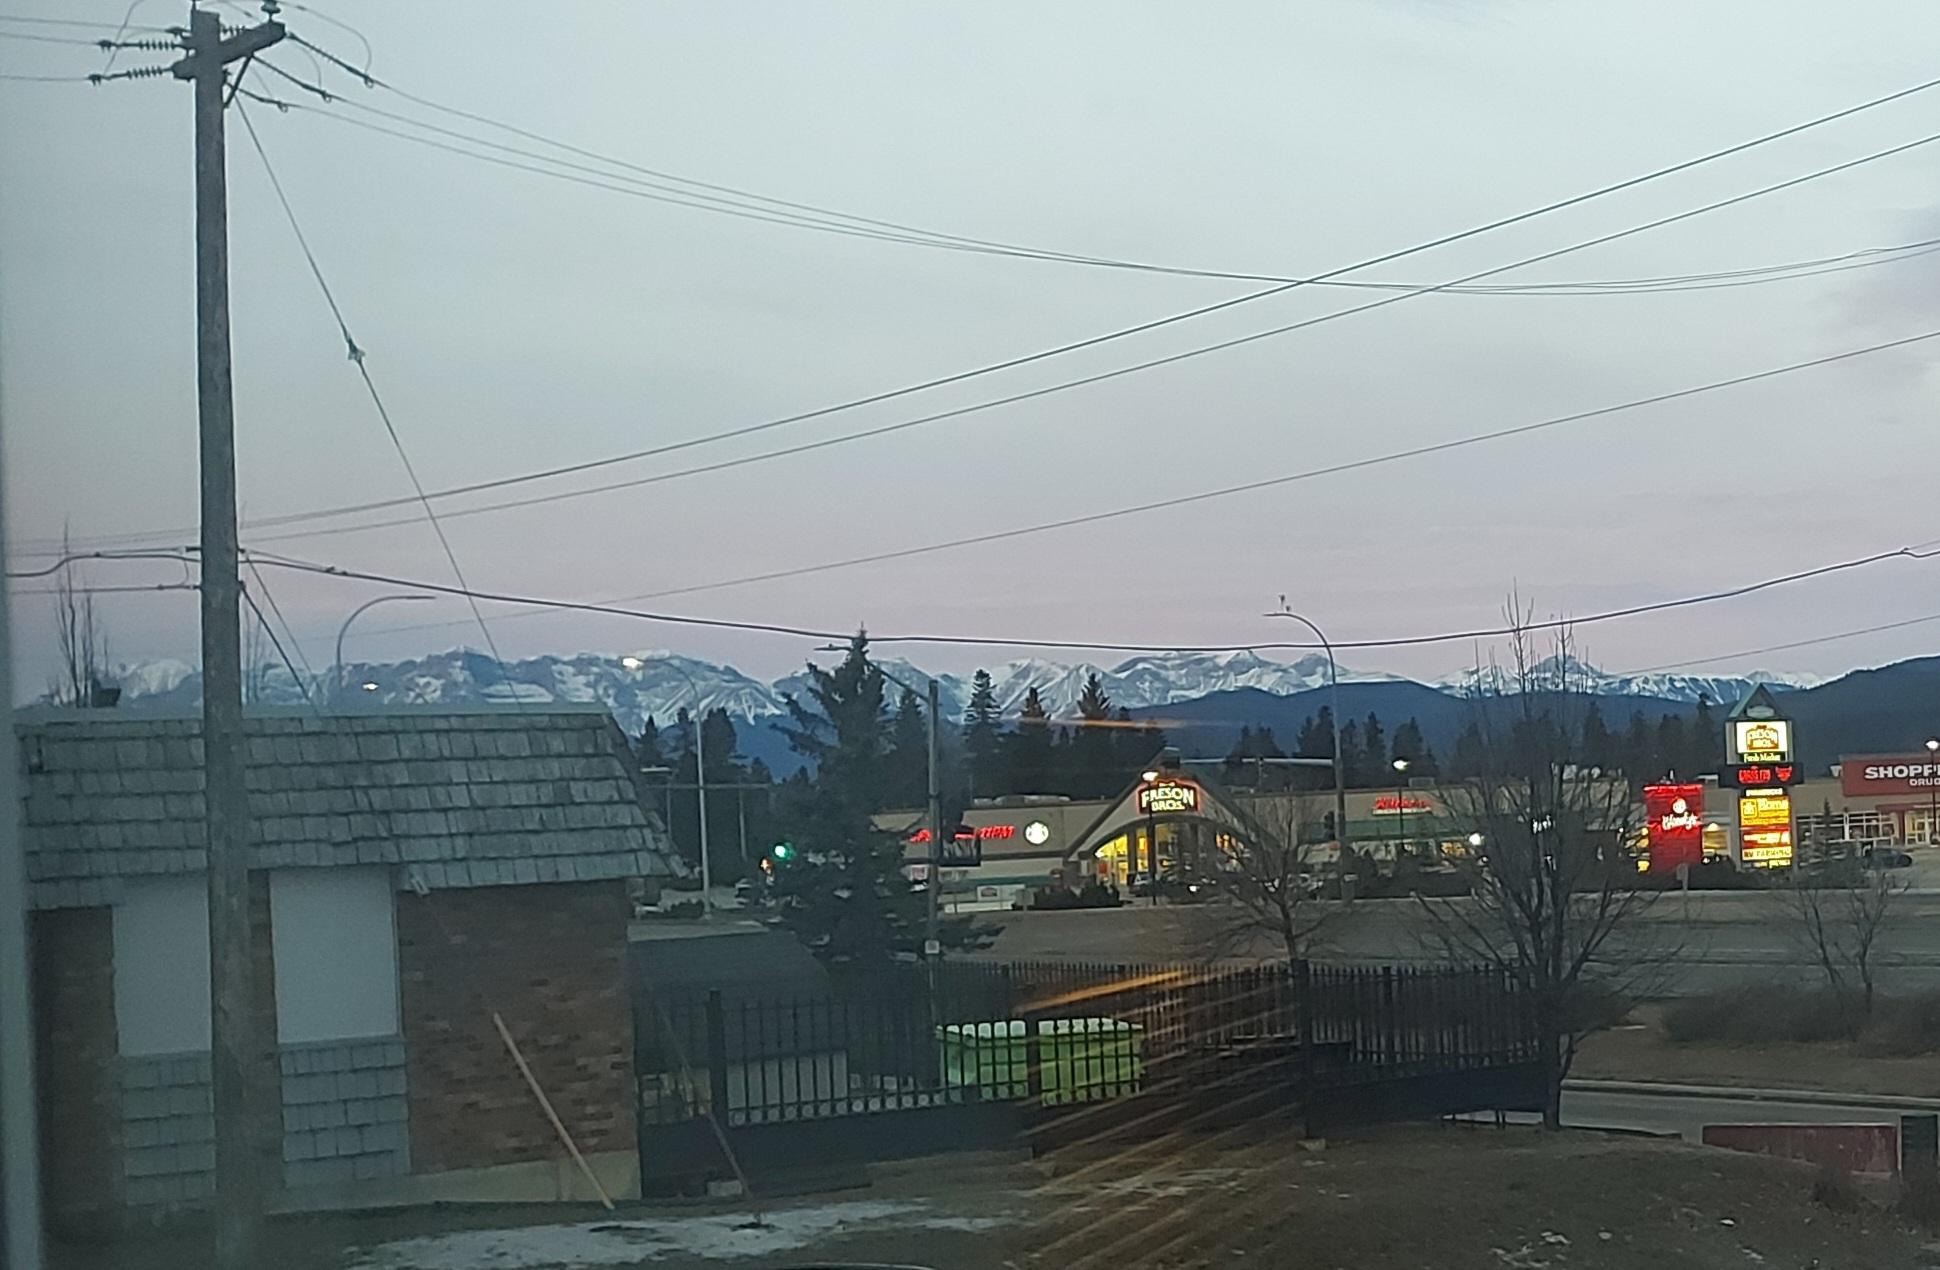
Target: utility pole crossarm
x=243 y=43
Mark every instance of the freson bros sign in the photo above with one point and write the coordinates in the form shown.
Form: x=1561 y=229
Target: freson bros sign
x=1889 y=774
x=1161 y=797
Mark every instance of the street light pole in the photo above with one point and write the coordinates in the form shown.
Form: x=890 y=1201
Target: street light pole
x=1333 y=708
x=700 y=777
x=337 y=667
x=932 y=945
x=1933 y=792
x=1400 y=809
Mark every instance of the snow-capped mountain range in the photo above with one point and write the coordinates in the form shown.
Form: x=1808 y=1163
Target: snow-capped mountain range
x=659 y=683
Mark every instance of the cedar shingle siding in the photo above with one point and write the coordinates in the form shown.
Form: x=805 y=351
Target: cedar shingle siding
x=461 y=799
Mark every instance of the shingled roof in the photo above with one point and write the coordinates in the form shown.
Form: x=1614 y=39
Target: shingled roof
x=479 y=798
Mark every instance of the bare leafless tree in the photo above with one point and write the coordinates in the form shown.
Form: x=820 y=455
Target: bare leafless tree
x=82 y=679
x=1550 y=874
x=1266 y=881
x=1836 y=912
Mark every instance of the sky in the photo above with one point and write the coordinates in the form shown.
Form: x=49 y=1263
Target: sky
x=515 y=322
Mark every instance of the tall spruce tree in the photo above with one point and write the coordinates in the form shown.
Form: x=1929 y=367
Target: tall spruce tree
x=1027 y=748
x=1093 y=768
x=981 y=738
x=843 y=892
x=909 y=753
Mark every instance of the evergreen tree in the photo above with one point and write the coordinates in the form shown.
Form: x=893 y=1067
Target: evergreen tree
x=1636 y=751
x=1470 y=755
x=844 y=892
x=909 y=754
x=1670 y=750
x=1136 y=745
x=1353 y=757
x=1703 y=740
x=1092 y=755
x=1599 y=745
x=1411 y=745
x=1239 y=759
x=1315 y=740
x=1027 y=748
x=980 y=737
x=646 y=746
x=1374 y=750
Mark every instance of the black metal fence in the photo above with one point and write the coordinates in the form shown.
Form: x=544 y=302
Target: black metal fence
x=1053 y=1035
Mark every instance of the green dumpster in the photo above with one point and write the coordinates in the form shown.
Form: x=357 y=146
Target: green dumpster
x=1080 y=1060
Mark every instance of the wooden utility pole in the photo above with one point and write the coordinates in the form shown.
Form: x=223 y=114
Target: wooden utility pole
x=234 y=1047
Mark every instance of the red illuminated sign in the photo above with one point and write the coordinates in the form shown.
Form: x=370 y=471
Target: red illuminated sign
x=1761 y=775
x=1397 y=804
x=1890 y=774
x=1675 y=815
x=982 y=833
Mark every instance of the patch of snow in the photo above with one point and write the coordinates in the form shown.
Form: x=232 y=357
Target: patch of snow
x=714 y=1237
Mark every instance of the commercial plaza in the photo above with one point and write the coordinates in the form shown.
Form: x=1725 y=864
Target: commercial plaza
x=1028 y=841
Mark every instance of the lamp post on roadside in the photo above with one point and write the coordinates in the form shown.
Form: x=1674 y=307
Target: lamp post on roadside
x=337 y=667
x=1151 y=845
x=1333 y=709
x=1400 y=808
x=700 y=777
x=1933 y=793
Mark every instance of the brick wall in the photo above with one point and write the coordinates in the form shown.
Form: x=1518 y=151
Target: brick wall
x=552 y=960
x=344 y=1112
x=74 y=1005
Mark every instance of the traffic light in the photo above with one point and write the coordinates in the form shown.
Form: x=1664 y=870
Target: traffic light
x=783 y=851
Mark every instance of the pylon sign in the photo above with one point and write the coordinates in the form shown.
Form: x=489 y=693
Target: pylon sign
x=1760 y=759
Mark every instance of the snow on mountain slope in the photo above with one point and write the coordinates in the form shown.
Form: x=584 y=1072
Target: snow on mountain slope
x=658 y=684
x=1724 y=690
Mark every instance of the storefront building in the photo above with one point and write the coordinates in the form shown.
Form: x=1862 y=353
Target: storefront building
x=1872 y=800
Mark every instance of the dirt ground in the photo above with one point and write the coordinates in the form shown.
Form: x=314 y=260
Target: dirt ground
x=1640 y=1051
x=1417 y=1198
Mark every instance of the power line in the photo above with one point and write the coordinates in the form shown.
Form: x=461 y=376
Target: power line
x=1124 y=332
x=1247 y=487
x=356 y=355
x=683 y=198
x=610 y=610
x=977 y=407
x=129 y=588
x=910 y=232
x=119 y=31
x=1786 y=647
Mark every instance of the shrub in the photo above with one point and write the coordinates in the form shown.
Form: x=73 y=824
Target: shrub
x=1098 y=895
x=1754 y=1015
x=1054 y=898
x=1901 y=1027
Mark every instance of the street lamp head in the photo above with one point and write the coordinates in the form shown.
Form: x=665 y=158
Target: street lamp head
x=369 y=685
x=1476 y=839
x=1933 y=743
x=632 y=663
x=1401 y=765
x=1148 y=776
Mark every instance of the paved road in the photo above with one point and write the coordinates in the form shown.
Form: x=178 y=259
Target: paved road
x=1717 y=940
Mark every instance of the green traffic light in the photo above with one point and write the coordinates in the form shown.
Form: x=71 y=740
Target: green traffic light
x=783 y=851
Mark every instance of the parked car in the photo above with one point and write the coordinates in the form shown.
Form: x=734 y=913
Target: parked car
x=1886 y=858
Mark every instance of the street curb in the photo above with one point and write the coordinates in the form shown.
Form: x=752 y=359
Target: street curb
x=1732 y=1093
